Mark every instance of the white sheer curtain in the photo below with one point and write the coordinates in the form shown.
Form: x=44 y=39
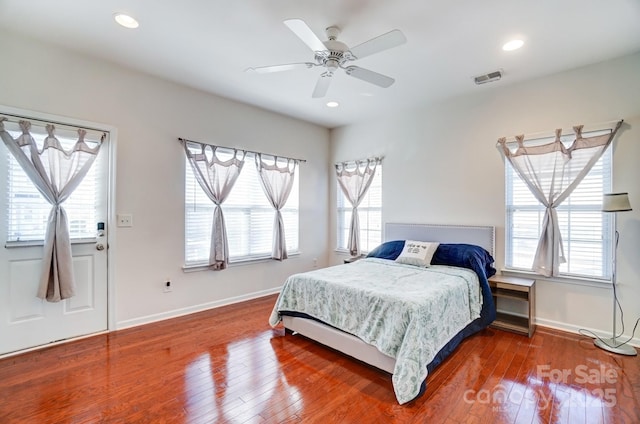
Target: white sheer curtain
x=552 y=171
x=354 y=179
x=216 y=177
x=56 y=173
x=277 y=183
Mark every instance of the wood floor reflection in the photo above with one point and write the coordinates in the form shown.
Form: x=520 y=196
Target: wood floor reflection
x=228 y=366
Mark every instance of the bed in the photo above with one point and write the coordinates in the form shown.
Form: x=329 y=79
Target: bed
x=401 y=318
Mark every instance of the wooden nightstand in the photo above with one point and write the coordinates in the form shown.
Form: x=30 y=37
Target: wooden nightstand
x=520 y=289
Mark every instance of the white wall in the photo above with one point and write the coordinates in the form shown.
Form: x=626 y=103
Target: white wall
x=150 y=114
x=441 y=166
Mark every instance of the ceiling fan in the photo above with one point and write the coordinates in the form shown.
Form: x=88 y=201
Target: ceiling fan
x=333 y=55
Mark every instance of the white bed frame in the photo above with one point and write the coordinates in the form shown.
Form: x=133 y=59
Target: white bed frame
x=353 y=346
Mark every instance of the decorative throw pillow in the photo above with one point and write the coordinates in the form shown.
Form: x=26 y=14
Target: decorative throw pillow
x=387 y=250
x=418 y=253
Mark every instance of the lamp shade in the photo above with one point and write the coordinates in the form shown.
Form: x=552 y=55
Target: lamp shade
x=615 y=202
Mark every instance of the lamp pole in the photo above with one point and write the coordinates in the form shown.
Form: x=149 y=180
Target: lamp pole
x=615 y=202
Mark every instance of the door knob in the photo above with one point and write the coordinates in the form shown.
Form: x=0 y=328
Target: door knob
x=99 y=246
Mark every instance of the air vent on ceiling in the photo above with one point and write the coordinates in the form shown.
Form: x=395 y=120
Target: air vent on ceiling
x=491 y=76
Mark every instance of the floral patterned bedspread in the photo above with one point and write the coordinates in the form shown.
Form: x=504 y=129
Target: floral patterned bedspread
x=406 y=312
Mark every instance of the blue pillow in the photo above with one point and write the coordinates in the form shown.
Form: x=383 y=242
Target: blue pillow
x=454 y=254
x=387 y=250
x=465 y=256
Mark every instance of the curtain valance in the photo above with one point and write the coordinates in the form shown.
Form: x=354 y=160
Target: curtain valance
x=350 y=167
x=235 y=149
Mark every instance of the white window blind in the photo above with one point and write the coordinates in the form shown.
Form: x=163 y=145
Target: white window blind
x=248 y=217
x=28 y=210
x=586 y=231
x=369 y=213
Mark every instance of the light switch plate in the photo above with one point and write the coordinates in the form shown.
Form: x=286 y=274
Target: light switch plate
x=125 y=220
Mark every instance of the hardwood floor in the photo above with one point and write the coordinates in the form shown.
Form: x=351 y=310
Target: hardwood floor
x=228 y=365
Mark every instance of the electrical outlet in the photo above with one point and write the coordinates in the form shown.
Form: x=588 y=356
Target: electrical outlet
x=125 y=220
x=315 y=262
x=167 y=286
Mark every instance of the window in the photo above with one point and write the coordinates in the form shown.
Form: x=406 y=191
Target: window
x=28 y=211
x=586 y=231
x=248 y=216
x=369 y=213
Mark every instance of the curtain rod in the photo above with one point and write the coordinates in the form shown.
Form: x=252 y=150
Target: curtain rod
x=71 y=127
x=541 y=135
x=360 y=160
x=185 y=140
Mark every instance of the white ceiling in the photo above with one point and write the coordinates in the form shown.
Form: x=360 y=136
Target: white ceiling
x=207 y=44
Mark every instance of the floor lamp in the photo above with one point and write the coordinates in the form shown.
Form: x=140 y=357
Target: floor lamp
x=615 y=202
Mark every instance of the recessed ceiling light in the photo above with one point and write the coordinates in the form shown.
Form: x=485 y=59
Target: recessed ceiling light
x=333 y=104
x=126 y=20
x=512 y=45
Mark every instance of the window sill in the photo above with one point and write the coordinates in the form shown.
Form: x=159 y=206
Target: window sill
x=344 y=252
x=579 y=281
x=235 y=263
x=36 y=243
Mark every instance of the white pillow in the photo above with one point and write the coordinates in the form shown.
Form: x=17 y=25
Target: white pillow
x=418 y=253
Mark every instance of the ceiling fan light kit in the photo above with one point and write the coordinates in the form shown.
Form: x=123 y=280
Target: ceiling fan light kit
x=333 y=55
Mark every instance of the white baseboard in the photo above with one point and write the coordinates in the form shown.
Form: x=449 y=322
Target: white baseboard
x=576 y=330
x=193 y=309
x=47 y=345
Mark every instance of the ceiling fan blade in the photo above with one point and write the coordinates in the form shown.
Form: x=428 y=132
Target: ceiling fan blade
x=302 y=30
x=322 y=86
x=370 y=76
x=382 y=42
x=279 y=68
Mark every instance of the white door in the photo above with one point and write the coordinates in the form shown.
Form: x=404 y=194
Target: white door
x=25 y=320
